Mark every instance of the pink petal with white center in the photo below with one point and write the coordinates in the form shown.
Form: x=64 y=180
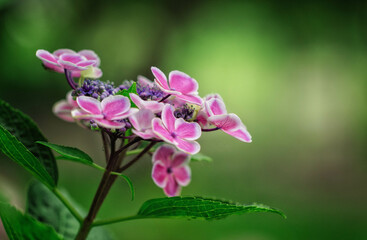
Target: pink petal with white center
x=153 y=106
x=190 y=147
x=161 y=131
x=47 y=57
x=180 y=159
x=164 y=154
x=53 y=67
x=172 y=188
x=159 y=174
x=72 y=58
x=126 y=114
x=113 y=106
x=91 y=55
x=160 y=78
x=62 y=109
x=90 y=105
x=215 y=106
x=58 y=52
x=195 y=99
x=187 y=130
x=227 y=122
x=142 y=120
x=80 y=114
x=182 y=83
x=168 y=117
x=241 y=134
x=182 y=175
x=109 y=124
x=86 y=64
x=71 y=61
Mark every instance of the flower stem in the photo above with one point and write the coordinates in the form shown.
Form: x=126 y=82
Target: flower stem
x=167 y=96
x=115 y=220
x=70 y=79
x=127 y=165
x=210 y=130
x=68 y=205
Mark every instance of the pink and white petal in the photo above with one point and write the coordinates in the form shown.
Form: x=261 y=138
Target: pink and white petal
x=164 y=154
x=160 y=78
x=195 y=99
x=89 y=104
x=179 y=159
x=137 y=100
x=47 y=57
x=190 y=147
x=241 y=134
x=62 y=109
x=153 y=106
x=113 y=106
x=71 y=66
x=182 y=175
x=80 y=114
x=187 y=130
x=166 y=90
x=215 y=106
x=75 y=73
x=161 y=131
x=202 y=119
x=58 y=52
x=53 y=67
x=90 y=55
x=172 y=188
x=182 y=82
x=213 y=95
x=227 y=122
x=86 y=64
x=109 y=124
x=142 y=120
x=126 y=114
x=145 y=82
x=168 y=117
x=148 y=134
x=70 y=100
x=70 y=61
x=159 y=174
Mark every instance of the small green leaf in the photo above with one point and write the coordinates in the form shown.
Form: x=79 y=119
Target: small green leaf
x=27 y=132
x=127 y=92
x=24 y=227
x=77 y=155
x=45 y=207
x=200 y=157
x=197 y=208
x=16 y=151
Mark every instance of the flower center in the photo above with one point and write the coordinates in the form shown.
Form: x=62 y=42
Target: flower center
x=169 y=170
x=174 y=135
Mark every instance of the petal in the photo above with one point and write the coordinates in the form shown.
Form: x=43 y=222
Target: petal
x=227 y=122
x=127 y=114
x=213 y=95
x=202 y=119
x=215 y=106
x=159 y=174
x=90 y=55
x=153 y=106
x=179 y=159
x=168 y=118
x=53 y=67
x=58 y=52
x=142 y=120
x=164 y=154
x=109 y=124
x=62 y=109
x=147 y=134
x=80 y=114
x=160 y=78
x=113 y=106
x=161 y=131
x=187 y=130
x=241 y=134
x=182 y=82
x=47 y=57
x=145 y=82
x=190 y=147
x=182 y=175
x=195 y=99
x=89 y=104
x=70 y=61
x=86 y=64
x=172 y=188
x=70 y=99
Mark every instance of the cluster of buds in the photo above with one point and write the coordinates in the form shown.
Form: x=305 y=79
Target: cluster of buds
x=166 y=110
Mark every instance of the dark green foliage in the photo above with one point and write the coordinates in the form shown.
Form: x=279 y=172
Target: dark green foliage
x=24 y=227
x=27 y=132
x=197 y=208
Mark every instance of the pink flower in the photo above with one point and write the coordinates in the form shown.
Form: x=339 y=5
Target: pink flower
x=142 y=123
x=179 y=84
x=63 y=108
x=68 y=59
x=145 y=82
x=153 y=106
x=229 y=123
x=170 y=170
x=106 y=113
x=177 y=131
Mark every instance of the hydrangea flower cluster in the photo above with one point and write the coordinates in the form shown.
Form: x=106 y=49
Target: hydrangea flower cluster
x=167 y=110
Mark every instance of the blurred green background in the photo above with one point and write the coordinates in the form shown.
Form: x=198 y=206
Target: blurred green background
x=295 y=72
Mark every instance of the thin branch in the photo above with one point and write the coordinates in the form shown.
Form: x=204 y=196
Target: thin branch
x=210 y=130
x=167 y=96
x=68 y=205
x=127 y=165
x=135 y=140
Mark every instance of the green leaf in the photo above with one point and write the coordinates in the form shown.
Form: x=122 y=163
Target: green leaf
x=77 y=155
x=24 y=227
x=27 y=132
x=197 y=208
x=16 y=151
x=200 y=157
x=45 y=207
x=127 y=92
